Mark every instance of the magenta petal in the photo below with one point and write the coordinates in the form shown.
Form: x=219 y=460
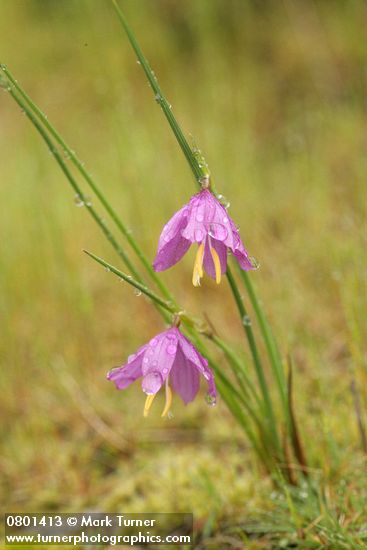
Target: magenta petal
x=199 y=362
x=242 y=257
x=209 y=377
x=185 y=378
x=221 y=250
x=152 y=382
x=171 y=253
x=158 y=359
x=127 y=374
x=172 y=246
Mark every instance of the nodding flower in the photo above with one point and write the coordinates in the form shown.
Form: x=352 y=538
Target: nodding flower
x=204 y=221
x=169 y=359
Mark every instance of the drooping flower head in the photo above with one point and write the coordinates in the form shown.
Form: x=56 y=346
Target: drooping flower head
x=171 y=360
x=205 y=221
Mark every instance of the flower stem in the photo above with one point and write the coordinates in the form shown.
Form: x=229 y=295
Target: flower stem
x=270 y=342
x=246 y=323
x=92 y=184
x=168 y=306
x=102 y=224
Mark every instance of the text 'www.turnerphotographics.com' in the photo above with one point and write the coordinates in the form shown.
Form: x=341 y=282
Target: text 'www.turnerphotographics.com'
x=98 y=528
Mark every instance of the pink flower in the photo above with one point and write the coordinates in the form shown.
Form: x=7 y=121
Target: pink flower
x=168 y=359
x=204 y=221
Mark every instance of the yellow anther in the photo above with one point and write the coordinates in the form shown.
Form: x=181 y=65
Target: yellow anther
x=198 y=266
x=148 y=403
x=168 y=404
x=218 y=271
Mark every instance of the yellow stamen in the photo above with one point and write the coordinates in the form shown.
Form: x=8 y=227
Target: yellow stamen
x=218 y=271
x=168 y=404
x=198 y=266
x=148 y=403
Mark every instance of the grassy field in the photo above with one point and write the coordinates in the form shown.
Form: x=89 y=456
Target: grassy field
x=275 y=96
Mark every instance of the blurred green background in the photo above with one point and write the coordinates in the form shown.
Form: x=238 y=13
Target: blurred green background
x=274 y=94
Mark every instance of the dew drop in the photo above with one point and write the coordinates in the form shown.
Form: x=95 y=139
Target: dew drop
x=170 y=415
x=153 y=342
x=199 y=217
x=171 y=349
x=107 y=269
x=131 y=358
x=218 y=231
x=211 y=400
x=137 y=292
x=145 y=360
x=246 y=321
x=254 y=262
x=78 y=201
x=165 y=370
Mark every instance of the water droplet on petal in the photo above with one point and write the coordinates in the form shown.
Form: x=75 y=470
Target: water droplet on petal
x=153 y=342
x=165 y=370
x=171 y=349
x=199 y=217
x=225 y=220
x=151 y=382
x=218 y=231
x=131 y=357
x=211 y=400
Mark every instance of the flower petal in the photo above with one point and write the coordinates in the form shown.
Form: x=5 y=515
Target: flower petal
x=158 y=360
x=185 y=378
x=221 y=250
x=128 y=373
x=172 y=246
x=191 y=353
x=209 y=377
x=242 y=257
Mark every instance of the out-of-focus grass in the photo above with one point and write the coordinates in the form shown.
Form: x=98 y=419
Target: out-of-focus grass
x=275 y=97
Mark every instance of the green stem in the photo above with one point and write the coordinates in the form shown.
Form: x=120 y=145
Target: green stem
x=159 y=97
x=168 y=306
x=75 y=185
x=238 y=368
x=270 y=342
x=92 y=184
x=246 y=323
